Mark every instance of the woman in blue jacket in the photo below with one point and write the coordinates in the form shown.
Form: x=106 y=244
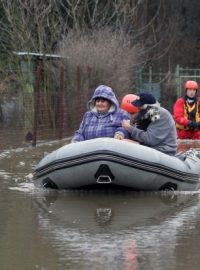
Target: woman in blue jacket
x=103 y=118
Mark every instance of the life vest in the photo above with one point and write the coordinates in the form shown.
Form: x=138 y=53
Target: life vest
x=190 y=112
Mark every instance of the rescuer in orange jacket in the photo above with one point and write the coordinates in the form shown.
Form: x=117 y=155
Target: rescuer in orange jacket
x=187 y=113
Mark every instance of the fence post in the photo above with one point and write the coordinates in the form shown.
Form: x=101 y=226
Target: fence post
x=79 y=92
x=36 y=103
x=89 y=79
x=61 y=102
x=178 y=81
x=150 y=79
x=138 y=79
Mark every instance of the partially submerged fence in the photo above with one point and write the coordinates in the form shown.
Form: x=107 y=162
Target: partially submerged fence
x=51 y=105
x=165 y=86
x=184 y=74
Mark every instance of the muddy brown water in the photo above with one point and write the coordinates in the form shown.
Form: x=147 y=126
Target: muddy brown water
x=41 y=229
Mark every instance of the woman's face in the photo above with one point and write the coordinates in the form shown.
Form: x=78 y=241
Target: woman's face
x=102 y=104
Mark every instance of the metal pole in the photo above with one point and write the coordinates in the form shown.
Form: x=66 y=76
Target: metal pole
x=36 y=103
x=61 y=101
x=89 y=70
x=79 y=92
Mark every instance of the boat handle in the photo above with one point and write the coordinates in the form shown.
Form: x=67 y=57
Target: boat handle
x=104 y=179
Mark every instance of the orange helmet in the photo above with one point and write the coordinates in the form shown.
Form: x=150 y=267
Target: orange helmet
x=191 y=85
x=126 y=103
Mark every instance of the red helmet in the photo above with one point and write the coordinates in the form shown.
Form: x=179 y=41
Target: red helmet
x=191 y=85
x=126 y=103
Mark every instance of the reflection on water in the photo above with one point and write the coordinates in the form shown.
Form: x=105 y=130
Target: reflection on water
x=10 y=138
x=92 y=230
x=127 y=231
x=184 y=145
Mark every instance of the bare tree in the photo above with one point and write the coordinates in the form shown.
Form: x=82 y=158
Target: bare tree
x=116 y=36
x=40 y=25
x=108 y=37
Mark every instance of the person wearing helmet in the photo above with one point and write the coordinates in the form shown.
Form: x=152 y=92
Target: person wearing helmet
x=156 y=127
x=127 y=106
x=137 y=116
x=103 y=118
x=126 y=103
x=187 y=112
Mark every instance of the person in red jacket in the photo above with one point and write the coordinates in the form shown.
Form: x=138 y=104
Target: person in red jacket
x=187 y=113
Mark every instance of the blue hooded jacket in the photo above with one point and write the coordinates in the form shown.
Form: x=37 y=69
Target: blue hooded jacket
x=95 y=124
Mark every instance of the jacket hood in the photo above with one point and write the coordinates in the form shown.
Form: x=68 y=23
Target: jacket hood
x=104 y=92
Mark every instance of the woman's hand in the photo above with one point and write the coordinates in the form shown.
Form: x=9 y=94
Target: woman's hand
x=118 y=136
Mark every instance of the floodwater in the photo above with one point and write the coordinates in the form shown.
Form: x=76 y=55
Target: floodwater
x=41 y=229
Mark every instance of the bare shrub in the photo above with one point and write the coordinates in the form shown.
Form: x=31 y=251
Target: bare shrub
x=110 y=56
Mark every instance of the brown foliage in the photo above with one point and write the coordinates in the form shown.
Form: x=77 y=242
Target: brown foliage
x=110 y=57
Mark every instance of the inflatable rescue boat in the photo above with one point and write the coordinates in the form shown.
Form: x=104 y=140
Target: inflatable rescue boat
x=111 y=163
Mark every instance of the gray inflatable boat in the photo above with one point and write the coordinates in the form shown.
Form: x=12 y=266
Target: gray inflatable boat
x=111 y=163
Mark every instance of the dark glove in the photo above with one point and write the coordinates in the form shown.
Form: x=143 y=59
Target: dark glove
x=194 y=125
